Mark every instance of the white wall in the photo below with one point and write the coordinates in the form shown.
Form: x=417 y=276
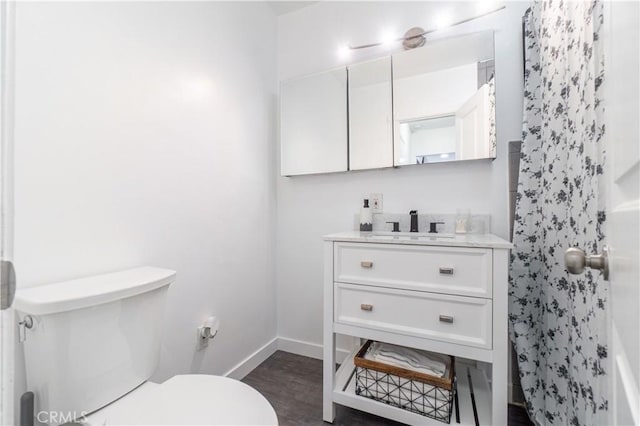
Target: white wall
x=145 y=135
x=310 y=206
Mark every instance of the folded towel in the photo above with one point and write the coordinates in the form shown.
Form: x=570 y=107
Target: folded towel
x=410 y=359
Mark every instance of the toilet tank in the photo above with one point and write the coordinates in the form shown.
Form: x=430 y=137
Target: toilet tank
x=93 y=339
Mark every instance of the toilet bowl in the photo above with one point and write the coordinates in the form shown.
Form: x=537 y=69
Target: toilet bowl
x=92 y=345
x=194 y=399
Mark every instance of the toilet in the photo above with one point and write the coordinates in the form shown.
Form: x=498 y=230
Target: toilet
x=92 y=344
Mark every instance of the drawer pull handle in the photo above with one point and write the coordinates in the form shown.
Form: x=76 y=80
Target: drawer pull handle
x=366 y=264
x=366 y=307
x=446 y=271
x=446 y=318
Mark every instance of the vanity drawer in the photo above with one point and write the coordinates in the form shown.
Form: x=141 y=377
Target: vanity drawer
x=453 y=319
x=449 y=270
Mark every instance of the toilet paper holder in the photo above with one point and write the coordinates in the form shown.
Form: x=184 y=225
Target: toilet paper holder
x=208 y=330
x=206 y=333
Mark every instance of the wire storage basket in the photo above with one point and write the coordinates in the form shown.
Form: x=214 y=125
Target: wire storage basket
x=414 y=391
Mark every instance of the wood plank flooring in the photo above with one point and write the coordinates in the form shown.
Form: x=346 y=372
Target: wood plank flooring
x=293 y=385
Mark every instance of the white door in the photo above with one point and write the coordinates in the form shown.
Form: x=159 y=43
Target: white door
x=6 y=225
x=622 y=72
x=472 y=132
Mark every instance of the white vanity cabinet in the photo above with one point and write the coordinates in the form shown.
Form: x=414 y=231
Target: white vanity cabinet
x=445 y=294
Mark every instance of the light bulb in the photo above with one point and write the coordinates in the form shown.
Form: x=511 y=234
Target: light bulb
x=344 y=52
x=443 y=20
x=387 y=38
x=483 y=6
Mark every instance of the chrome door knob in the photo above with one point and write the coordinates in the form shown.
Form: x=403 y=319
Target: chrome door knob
x=576 y=260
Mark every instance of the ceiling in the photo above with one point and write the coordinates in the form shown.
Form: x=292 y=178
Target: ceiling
x=282 y=7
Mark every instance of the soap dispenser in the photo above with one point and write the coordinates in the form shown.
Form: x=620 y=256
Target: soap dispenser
x=366 y=217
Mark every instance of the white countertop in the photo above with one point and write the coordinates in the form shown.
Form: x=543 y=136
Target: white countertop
x=423 y=239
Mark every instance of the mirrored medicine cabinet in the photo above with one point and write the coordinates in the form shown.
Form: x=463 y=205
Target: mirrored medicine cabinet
x=428 y=105
x=313 y=124
x=370 y=115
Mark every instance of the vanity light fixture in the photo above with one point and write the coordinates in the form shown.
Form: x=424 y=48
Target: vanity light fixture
x=415 y=36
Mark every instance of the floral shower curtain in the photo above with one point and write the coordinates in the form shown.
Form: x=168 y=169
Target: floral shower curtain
x=558 y=320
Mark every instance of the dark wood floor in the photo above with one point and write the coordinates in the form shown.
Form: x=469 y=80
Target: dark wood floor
x=293 y=385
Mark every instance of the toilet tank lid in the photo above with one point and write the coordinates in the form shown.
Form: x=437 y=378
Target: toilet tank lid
x=91 y=291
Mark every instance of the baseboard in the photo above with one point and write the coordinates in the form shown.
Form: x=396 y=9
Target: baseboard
x=252 y=361
x=298 y=347
x=311 y=350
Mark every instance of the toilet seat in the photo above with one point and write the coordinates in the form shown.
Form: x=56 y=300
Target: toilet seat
x=192 y=399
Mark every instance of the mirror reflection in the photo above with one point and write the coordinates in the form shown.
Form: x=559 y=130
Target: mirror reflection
x=445 y=104
x=432 y=140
